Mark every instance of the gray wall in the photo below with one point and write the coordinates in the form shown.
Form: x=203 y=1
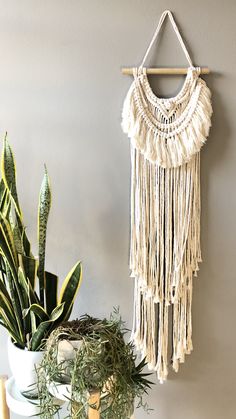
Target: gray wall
x=61 y=96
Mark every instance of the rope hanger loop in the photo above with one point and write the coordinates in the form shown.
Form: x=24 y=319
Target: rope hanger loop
x=167 y=70
x=157 y=31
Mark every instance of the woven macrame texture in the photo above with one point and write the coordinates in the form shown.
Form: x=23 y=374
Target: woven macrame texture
x=166 y=137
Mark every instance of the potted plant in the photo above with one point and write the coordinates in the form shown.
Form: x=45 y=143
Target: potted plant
x=29 y=305
x=94 y=359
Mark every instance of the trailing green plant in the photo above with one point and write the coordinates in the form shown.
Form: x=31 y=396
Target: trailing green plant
x=104 y=363
x=27 y=314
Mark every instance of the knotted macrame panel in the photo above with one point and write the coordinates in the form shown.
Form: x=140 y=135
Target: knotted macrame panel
x=166 y=138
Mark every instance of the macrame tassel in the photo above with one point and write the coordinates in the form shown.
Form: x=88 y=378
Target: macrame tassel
x=164 y=255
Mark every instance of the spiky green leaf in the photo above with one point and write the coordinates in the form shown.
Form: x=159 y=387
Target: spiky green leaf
x=38 y=311
x=43 y=213
x=16 y=298
x=51 y=285
x=57 y=312
x=9 y=173
x=70 y=288
x=11 y=332
x=41 y=333
x=6 y=252
x=29 y=265
x=7 y=308
x=9 y=237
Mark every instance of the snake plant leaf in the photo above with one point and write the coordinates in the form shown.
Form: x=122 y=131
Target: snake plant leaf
x=44 y=328
x=11 y=332
x=51 y=285
x=25 y=300
x=17 y=239
x=40 y=333
x=67 y=313
x=70 y=288
x=24 y=287
x=6 y=252
x=57 y=312
x=9 y=173
x=26 y=244
x=22 y=290
x=4 y=197
x=7 y=308
x=16 y=297
x=22 y=239
x=43 y=213
x=6 y=226
x=5 y=205
x=38 y=311
x=33 y=322
x=7 y=211
x=6 y=304
x=29 y=266
x=4 y=290
x=2 y=190
x=33 y=295
x=3 y=269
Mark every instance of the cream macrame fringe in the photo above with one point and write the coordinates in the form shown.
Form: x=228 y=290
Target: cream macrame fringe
x=166 y=138
x=168 y=132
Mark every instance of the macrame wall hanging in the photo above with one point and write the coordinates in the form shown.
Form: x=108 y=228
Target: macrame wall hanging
x=166 y=137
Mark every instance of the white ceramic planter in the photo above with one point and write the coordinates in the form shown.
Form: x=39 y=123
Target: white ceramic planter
x=22 y=364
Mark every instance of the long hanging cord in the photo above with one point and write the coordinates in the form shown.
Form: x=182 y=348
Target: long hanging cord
x=166 y=137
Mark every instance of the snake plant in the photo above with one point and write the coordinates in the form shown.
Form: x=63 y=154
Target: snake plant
x=30 y=307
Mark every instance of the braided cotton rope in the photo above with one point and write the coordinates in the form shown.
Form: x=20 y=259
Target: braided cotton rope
x=156 y=33
x=166 y=138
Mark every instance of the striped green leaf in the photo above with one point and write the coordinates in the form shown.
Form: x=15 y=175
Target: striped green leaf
x=25 y=301
x=9 y=173
x=38 y=311
x=4 y=198
x=57 y=312
x=7 y=308
x=16 y=298
x=11 y=332
x=17 y=239
x=6 y=252
x=6 y=226
x=2 y=190
x=43 y=213
x=4 y=290
x=44 y=328
x=29 y=266
x=40 y=333
x=51 y=285
x=70 y=288
x=26 y=244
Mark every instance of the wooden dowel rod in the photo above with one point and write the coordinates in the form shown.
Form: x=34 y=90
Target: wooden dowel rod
x=164 y=70
x=4 y=411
